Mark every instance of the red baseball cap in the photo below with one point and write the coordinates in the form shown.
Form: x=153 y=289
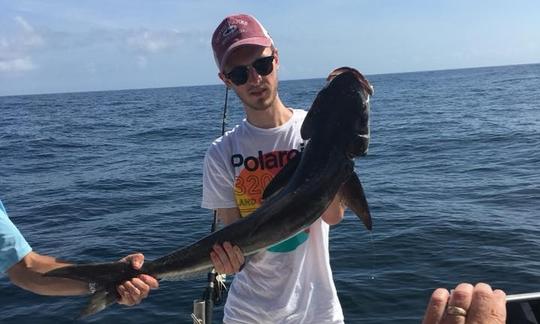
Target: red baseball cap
x=234 y=31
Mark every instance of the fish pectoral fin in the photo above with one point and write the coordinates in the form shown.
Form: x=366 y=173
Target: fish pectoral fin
x=282 y=177
x=100 y=300
x=353 y=196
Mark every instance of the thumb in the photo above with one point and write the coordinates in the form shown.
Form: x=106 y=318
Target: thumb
x=136 y=260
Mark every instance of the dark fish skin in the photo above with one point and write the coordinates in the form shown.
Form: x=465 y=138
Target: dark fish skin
x=338 y=128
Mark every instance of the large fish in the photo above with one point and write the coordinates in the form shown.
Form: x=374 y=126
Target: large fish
x=337 y=126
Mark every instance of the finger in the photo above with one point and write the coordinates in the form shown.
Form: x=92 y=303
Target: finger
x=125 y=297
x=460 y=297
x=134 y=293
x=150 y=281
x=486 y=306
x=122 y=292
x=436 y=306
x=216 y=261
x=227 y=267
x=142 y=287
x=239 y=256
x=136 y=260
x=232 y=256
x=499 y=311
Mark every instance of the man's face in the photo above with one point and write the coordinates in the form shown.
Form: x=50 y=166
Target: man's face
x=259 y=91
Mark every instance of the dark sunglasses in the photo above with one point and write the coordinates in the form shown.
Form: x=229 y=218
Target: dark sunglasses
x=240 y=74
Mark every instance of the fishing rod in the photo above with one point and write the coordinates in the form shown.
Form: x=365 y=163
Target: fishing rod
x=203 y=308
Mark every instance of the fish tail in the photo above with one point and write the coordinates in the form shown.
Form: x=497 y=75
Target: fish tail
x=103 y=278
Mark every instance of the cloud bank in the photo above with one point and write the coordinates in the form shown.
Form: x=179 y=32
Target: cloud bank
x=16 y=48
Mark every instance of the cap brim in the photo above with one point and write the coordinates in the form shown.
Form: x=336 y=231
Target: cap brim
x=256 y=41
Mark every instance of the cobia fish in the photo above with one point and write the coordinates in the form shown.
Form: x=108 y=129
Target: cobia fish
x=337 y=126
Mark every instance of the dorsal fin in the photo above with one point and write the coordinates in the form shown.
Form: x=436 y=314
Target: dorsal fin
x=353 y=196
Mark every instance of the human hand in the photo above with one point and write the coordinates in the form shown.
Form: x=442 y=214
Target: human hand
x=227 y=259
x=466 y=305
x=133 y=291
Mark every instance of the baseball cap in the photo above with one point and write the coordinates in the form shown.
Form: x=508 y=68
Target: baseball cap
x=234 y=31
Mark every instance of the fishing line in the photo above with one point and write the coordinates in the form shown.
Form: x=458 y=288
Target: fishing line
x=203 y=308
x=373 y=255
x=223 y=121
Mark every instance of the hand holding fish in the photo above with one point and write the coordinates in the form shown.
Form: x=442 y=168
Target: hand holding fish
x=133 y=291
x=227 y=259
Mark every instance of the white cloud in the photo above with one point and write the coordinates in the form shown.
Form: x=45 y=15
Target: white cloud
x=23 y=44
x=16 y=47
x=156 y=41
x=27 y=35
x=17 y=65
x=148 y=42
x=24 y=24
x=142 y=61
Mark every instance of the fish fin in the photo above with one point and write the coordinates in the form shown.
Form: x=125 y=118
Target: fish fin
x=100 y=300
x=105 y=277
x=353 y=196
x=282 y=177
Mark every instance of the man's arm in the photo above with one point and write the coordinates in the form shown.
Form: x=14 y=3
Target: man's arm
x=335 y=212
x=28 y=274
x=227 y=259
x=228 y=215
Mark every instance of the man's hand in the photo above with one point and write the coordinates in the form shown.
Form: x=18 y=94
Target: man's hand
x=467 y=305
x=227 y=259
x=133 y=291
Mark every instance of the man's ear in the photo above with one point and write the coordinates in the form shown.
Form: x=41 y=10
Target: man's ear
x=276 y=57
x=227 y=82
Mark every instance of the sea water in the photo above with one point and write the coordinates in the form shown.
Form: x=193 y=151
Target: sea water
x=452 y=178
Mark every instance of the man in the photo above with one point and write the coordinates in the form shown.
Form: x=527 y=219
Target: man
x=290 y=282
x=25 y=269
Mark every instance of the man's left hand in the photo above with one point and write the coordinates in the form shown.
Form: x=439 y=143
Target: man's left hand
x=133 y=291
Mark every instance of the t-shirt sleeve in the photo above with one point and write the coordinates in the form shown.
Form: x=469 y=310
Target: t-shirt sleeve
x=218 y=181
x=13 y=246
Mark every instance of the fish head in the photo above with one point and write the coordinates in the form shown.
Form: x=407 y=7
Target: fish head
x=341 y=112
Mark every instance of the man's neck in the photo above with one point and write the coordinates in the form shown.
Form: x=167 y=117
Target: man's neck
x=275 y=116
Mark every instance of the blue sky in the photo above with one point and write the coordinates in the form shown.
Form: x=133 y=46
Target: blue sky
x=64 y=46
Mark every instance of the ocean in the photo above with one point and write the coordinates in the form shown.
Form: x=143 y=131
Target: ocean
x=452 y=178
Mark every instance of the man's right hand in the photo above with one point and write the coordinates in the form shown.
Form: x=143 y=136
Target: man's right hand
x=467 y=304
x=227 y=259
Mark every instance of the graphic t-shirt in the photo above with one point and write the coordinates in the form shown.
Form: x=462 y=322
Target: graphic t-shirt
x=13 y=246
x=290 y=282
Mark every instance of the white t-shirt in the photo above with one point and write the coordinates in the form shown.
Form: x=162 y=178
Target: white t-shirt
x=291 y=282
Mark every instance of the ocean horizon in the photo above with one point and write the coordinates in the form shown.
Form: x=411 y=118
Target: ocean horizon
x=284 y=80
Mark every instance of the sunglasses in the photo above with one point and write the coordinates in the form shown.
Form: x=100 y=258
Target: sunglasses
x=240 y=74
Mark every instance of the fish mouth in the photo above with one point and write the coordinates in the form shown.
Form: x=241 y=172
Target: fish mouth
x=364 y=83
